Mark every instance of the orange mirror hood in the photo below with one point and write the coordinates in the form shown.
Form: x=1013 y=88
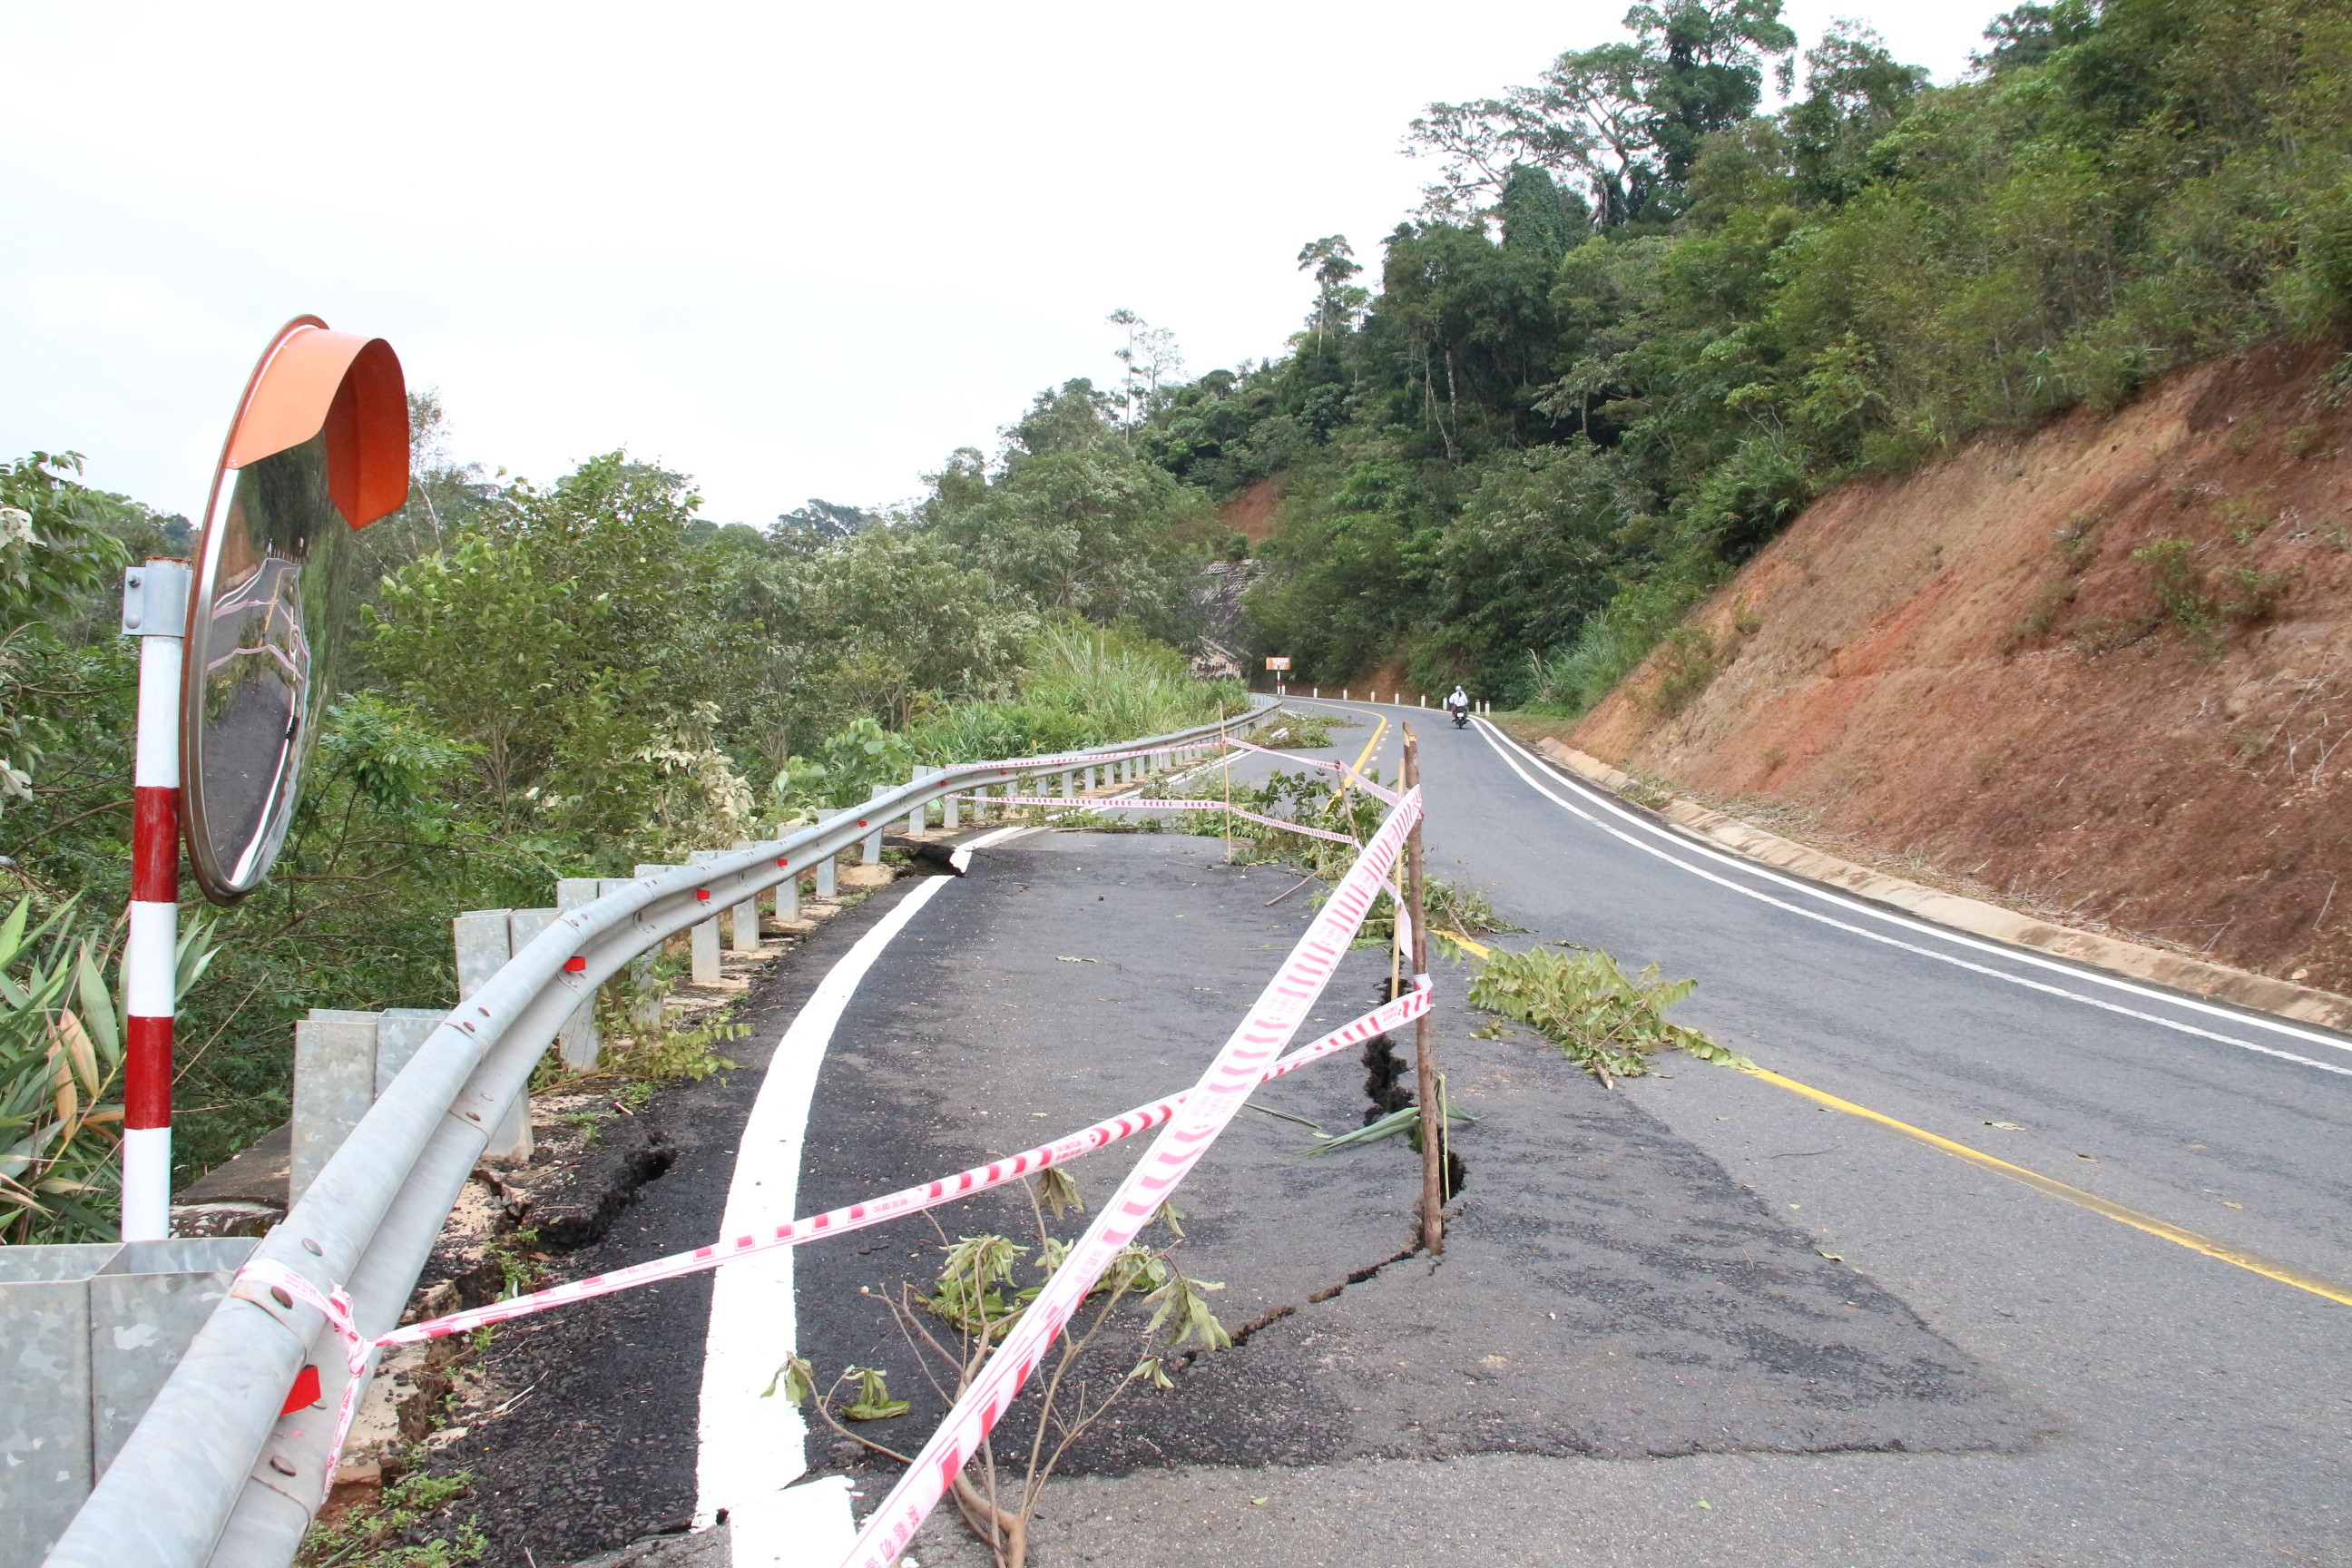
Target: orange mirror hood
x=312 y=379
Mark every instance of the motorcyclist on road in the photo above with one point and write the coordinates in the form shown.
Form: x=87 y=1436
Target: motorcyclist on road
x=1458 y=704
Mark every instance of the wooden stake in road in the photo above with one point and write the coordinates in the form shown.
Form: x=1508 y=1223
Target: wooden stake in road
x=1223 y=750
x=1424 y=1044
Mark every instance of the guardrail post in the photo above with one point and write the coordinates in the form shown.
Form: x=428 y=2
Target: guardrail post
x=703 y=943
x=146 y=1304
x=485 y=941
x=399 y=1032
x=743 y=924
x=646 y=1007
x=949 y=817
x=92 y=1331
x=576 y=1042
x=334 y=1084
x=828 y=878
x=523 y=927
x=788 y=891
x=874 y=839
x=45 y=1307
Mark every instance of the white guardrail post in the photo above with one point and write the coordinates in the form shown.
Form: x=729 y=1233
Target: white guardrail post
x=703 y=946
x=788 y=891
x=214 y=1473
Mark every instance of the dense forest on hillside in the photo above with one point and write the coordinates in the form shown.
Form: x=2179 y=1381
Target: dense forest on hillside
x=1637 y=325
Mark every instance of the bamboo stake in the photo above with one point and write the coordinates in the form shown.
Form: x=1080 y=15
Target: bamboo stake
x=1424 y=1043
x=1229 y=786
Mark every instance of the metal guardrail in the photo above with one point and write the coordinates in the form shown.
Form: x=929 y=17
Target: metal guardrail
x=216 y=1472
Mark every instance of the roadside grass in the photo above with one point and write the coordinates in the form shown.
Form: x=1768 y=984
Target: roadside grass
x=390 y=1531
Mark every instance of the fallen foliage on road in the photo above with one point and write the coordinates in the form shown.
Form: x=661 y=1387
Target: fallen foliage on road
x=1608 y=1022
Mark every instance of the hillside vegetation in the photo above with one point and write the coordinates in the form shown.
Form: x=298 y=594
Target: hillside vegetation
x=2104 y=672
x=549 y=680
x=1637 y=326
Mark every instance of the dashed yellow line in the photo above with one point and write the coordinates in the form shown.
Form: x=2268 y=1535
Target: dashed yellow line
x=2179 y=1236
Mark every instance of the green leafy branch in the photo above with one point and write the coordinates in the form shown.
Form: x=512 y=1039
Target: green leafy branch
x=1607 y=1022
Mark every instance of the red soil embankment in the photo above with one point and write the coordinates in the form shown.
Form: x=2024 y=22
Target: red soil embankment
x=1252 y=510
x=1969 y=669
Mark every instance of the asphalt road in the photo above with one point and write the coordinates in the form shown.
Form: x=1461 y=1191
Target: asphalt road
x=2204 y=1412
x=1694 y=1320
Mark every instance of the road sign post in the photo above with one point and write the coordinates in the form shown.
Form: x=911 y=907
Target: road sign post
x=155 y=611
x=236 y=657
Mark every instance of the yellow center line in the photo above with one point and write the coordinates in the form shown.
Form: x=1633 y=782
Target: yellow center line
x=2253 y=1261
x=1346 y=784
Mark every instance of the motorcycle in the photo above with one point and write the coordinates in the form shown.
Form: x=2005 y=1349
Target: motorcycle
x=1461 y=717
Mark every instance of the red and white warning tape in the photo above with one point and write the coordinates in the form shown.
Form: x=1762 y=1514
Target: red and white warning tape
x=907 y=1201
x=1326 y=764
x=1212 y=1103
x=1123 y=803
x=287 y=1287
x=1193 y=1119
x=359 y=1349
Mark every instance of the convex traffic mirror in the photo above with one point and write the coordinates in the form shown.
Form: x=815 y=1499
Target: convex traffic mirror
x=319 y=447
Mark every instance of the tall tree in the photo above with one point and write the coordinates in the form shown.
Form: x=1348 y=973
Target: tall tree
x=1147 y=361
x=1623 y=120
x=1333 y=262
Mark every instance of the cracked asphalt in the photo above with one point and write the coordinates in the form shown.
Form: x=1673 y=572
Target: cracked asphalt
x=1692 y=1321
x=1607 y=1291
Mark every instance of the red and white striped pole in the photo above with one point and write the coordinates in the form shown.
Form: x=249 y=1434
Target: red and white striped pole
x=155 y=611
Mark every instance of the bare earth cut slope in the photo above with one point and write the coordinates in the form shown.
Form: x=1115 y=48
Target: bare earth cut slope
x=2102 y=671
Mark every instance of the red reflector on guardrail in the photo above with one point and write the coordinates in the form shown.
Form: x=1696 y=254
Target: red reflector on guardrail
x=575 y=965
x=304 y=1394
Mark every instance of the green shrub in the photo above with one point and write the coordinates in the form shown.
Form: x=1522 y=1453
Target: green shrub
x=1683 y=668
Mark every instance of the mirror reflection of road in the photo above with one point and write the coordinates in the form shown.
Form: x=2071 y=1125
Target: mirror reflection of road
x=254 y=696
x=2198 y=1398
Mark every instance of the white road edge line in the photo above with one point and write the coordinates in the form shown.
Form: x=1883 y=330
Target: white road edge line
x=749 y=1449
x=1499 y=742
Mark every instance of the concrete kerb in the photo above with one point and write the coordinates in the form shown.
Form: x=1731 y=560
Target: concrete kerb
x=214 y=1472
x=2178 y=971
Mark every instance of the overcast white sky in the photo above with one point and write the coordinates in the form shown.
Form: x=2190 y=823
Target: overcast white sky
x=793 y=250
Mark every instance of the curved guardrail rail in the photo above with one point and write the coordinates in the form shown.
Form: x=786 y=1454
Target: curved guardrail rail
x=217 y=1471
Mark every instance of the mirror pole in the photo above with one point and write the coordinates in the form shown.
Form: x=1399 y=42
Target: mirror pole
x=155 y=611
